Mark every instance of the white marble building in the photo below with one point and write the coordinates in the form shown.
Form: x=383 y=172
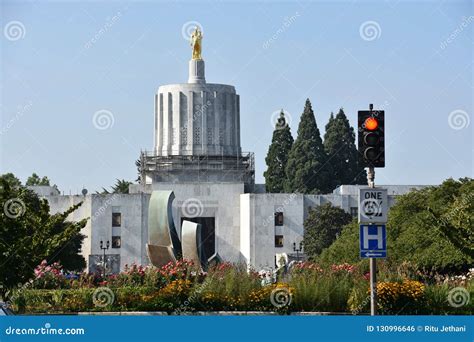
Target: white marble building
x=197 y=154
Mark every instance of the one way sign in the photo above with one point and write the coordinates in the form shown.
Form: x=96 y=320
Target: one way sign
x=373 y=205
x=373 y=241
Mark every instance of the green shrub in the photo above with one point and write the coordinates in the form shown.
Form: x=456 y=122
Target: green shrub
x=317 y=289
x=227 y=287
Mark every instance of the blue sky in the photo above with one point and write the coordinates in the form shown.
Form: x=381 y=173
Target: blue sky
x=62 y=62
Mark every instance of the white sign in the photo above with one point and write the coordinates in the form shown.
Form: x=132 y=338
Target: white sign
x=373 y=205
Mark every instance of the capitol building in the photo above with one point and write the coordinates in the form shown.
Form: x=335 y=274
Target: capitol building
x=197 y=154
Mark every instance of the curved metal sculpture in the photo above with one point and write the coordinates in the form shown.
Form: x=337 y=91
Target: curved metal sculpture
x=163 y=242
x=192 y=244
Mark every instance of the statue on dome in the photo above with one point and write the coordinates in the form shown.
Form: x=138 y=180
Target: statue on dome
x=196 y=39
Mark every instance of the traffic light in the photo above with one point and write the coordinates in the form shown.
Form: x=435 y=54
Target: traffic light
x=371 y=137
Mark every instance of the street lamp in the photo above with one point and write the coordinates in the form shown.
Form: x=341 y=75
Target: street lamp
x=298 y=250
x=107 y=244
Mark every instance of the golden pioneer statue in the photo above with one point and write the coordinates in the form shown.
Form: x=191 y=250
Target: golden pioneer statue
x=196 y=39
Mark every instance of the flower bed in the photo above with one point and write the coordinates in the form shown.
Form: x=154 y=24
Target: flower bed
x=182 y=287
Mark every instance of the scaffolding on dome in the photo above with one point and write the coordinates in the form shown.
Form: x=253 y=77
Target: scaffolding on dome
x=238 y=168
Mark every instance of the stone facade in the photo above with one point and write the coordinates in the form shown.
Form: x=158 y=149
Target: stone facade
x=245 y=227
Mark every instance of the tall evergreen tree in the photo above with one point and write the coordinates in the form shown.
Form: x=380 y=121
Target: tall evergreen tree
x=307 y=170
x=339 y=143
x=277 y=156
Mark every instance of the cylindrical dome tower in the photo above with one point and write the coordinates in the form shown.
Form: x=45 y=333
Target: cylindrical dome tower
x=197 y=134
x=197 y=118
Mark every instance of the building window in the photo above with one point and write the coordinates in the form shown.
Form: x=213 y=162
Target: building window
x=278 y=219
x=116 y=242
x=116 y=219
x=354 y=211
x=278 y=240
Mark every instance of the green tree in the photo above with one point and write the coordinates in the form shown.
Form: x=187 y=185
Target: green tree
x=339 y=144
x=69 y=255
x=120 y=187
x=10 y=179
x=277 y=156
x=34 y=179
x=456 y=221
x=431 y=228
x=322 y=227
x=307 y=169
x=30 y=234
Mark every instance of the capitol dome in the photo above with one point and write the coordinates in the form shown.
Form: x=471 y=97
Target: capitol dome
x=197 y=133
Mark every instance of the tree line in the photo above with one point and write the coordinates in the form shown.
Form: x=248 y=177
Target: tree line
x=308 y=164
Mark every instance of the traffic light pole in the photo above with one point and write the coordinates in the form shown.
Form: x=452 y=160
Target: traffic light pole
x=372 y=261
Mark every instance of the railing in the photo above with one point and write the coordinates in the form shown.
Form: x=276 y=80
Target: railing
x=243 y=161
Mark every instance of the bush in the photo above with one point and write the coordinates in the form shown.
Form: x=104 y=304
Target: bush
x=318 y=289
x=228 y=287
x=406 y=297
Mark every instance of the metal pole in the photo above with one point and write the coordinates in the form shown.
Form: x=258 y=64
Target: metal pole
x=372 y=261
x=103 y=264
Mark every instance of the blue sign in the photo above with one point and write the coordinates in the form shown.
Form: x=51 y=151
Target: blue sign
x=373 y=241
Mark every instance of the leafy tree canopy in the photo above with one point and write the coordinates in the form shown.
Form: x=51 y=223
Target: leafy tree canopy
x=431 y=228
x=30 y=234
x=120 y=187
x=322 y=227
x=34 y=179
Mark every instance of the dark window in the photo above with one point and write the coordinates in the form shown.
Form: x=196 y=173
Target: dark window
x=116 y=219
x=278 y=219
x=278 y=240
x=116 y=242
x=354 y=211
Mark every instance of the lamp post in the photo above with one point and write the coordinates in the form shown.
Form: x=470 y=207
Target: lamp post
x=298 y=250
x=107 y=244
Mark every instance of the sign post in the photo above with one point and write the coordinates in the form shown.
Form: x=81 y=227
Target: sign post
x=373 y=206
x=372 y=202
